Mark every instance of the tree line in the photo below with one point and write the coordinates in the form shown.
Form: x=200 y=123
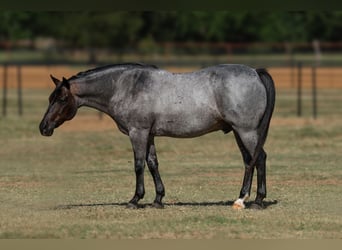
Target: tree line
x=127 y=29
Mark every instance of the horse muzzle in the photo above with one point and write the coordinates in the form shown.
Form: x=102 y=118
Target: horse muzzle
x=46 y=129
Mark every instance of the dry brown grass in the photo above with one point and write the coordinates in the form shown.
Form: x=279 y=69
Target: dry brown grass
x=75 y=184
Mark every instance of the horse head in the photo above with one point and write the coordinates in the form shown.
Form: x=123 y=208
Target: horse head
x=62 y=107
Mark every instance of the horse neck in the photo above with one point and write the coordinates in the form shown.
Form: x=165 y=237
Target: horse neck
x=95 y=94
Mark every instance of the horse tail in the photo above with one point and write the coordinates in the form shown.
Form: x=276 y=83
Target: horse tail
x=264 y=124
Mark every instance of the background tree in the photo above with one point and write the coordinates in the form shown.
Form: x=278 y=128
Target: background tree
x=120 y=30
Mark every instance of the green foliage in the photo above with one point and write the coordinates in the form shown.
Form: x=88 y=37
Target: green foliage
x=123 y=29
x=13 y=25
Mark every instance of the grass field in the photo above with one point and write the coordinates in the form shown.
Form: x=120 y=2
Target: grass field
x=76 y=183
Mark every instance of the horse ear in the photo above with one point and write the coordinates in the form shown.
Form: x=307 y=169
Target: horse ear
x=66 y=83
x=55 y=80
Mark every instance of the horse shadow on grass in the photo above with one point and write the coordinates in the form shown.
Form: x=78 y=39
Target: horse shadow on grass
x=248 y=204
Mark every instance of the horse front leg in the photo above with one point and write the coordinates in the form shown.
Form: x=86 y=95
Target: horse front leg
x=139 y=142
x=152 y=163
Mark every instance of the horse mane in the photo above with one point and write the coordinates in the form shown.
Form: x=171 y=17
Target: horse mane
x=111 y=66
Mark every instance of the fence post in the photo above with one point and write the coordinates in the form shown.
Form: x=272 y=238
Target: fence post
x=292 y=73
x=314 y=92
x=4 y=92
x=299 y=90
x=20 y=101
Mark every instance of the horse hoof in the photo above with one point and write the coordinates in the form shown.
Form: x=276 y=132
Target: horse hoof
x=132 y=205
x=257 y=206
x=238 y=205
x=157 y=205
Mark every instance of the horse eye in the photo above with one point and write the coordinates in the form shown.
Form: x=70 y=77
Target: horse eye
x=63 y=99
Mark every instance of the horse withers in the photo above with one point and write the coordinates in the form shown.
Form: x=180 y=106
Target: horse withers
x=145 y=101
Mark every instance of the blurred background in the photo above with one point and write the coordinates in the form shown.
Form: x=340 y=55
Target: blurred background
x=302 y=50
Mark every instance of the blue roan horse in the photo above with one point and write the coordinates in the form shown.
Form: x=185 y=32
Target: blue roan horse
x=145 y=102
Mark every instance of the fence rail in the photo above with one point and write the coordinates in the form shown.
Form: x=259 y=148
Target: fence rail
x=301 y=90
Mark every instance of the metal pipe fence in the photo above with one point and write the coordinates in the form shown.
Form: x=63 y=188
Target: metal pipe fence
x=301 y=90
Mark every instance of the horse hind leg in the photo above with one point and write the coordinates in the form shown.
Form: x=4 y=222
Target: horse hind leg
x=247 y=142
x=261 y=180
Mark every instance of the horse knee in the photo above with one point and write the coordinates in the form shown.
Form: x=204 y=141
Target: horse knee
x=139 y=166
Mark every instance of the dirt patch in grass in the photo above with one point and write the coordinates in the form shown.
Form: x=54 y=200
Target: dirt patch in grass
x=20 y=184
x=306 y=183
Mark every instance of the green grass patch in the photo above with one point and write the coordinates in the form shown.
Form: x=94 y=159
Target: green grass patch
x=76 y=183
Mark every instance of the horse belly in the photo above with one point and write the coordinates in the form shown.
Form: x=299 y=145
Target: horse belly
x=186 y=125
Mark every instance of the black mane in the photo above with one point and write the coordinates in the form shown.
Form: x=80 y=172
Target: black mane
x=101 y=68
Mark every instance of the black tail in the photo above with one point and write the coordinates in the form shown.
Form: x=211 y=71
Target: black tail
x=264 y=124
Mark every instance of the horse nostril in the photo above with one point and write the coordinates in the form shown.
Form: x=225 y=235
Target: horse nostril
x=42 y=126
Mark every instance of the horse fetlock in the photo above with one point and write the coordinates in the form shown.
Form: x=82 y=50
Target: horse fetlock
x=160 y=191
x=140 y=195
x=258 y=203
x=240 y=203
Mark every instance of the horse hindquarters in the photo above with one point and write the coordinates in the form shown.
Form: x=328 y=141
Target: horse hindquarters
x=251 y=142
